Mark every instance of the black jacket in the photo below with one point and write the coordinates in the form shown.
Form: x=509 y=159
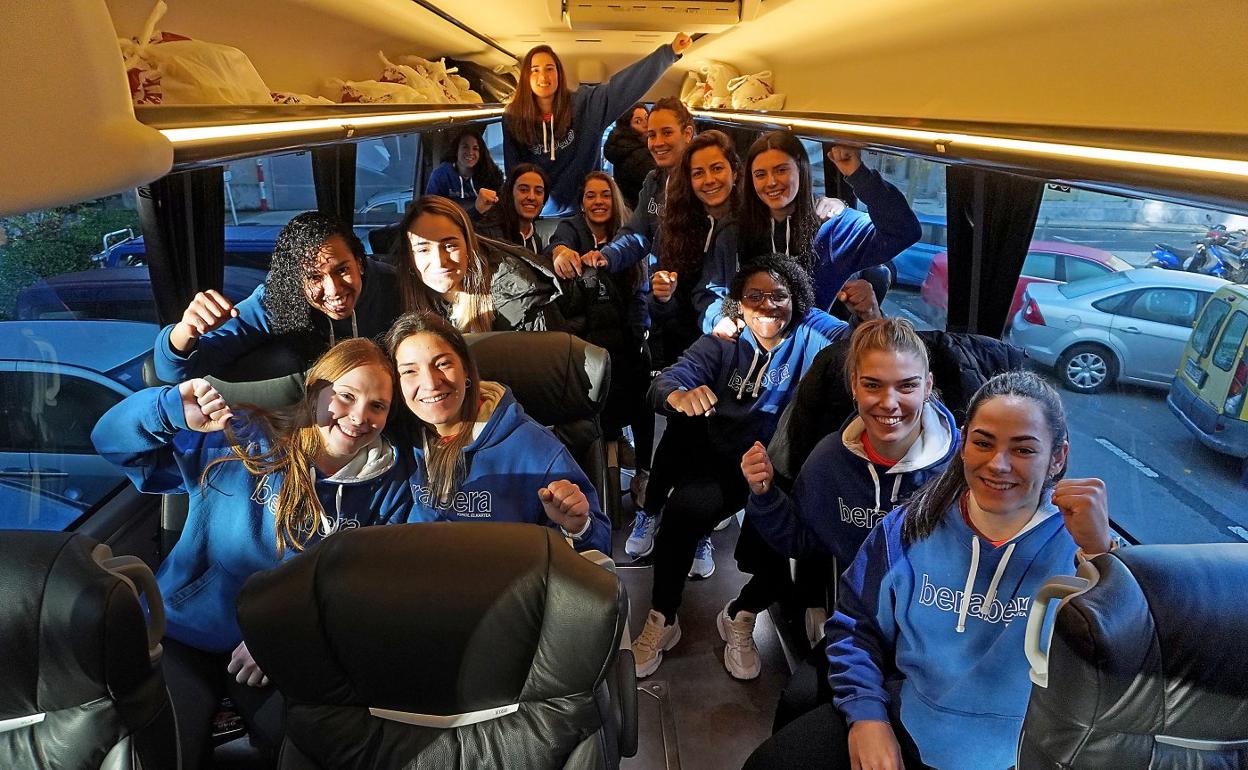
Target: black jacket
x=613 y=313
x=524 y=288
x=960 y=364
x=630 y=161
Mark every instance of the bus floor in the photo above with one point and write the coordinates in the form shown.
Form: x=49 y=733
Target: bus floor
x=718 y=721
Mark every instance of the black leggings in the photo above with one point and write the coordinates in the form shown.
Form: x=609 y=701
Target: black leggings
x=820 y=739
x=197 y=681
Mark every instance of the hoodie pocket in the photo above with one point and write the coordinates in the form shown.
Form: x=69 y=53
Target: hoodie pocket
x=191 y=589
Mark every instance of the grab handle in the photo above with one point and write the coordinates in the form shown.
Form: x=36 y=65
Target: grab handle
x=139 y=577
x=1060 y=588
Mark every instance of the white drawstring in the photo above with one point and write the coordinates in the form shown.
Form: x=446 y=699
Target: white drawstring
x=991 y=596
x=330 y=527
x=970 y=584
x=462 y=194
x=786 y=236
x=746 y=378
x=355 y=330
x=875 y=479
x=758 y=381
x=709 y=235
x=896 y=489
x=552 y=137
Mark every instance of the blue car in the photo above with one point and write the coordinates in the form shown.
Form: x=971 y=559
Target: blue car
x=910 y=266
x=57 y=378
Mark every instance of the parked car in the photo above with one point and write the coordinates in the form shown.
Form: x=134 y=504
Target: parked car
x=1208 y=394
x=56 y=381
x=116 y=293
x=245 y=246
x=911 y=266
x=393 y=204
x=1127 y=326
x=1046 y=262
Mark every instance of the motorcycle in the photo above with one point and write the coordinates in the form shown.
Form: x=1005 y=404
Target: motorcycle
x=1199 y=260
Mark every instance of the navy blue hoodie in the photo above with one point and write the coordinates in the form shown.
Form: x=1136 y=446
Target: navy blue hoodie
x=752 y=385
x=508 y=460
x=839 y=495
x=567 y=159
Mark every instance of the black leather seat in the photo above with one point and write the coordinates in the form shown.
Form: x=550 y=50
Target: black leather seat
x=80 y=679
x=562 y=382
x=1148 y=663
x=445 y=645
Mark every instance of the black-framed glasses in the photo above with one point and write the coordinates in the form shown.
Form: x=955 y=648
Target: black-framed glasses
x=754 y=298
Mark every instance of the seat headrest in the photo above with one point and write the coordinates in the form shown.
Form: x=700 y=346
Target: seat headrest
x=556 y=377
x=437 y=619
x=1148 y=659
x=71 y=631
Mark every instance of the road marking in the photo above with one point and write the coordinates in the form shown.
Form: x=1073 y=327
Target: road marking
x=1127 y=458
x=1243 y=533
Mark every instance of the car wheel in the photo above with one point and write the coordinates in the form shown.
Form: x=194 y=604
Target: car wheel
x=1087 y=368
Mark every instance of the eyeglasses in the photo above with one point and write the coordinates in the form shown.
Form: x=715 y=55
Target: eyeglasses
x=755 y=298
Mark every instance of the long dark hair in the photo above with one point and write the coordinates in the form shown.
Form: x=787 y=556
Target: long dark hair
x=444 y=461
x=625 y=121
x=684 y=223
x=486 y=173
x=507 y=218
x=785 y=270
x=755 y=219
x=619 y=215
x=474 y=305
x=296 y=252
x=522 y=116
x=933 y=500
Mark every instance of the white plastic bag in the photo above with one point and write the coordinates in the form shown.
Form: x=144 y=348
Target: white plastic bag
x=287 y=97
x=165 y=68
x=717 y=76
x=755 y=92
x=371 y=92
x=693 y=90
x=411 y=77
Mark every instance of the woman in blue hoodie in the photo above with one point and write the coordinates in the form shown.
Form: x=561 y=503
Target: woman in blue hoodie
x=739 y=387
x=478 y=456
x=468 y=175
x=561 y=130
x=262 y=487
x=925 y=650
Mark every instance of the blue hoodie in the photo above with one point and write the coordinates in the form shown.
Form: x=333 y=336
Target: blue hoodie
x=752 y=385
x=375 y=310
x=854 y=240
x=838 y=495
x=907 y=643
x=230 y=530
x=568 y=158
x=698 y=302
x=509 y=459
x=635 y=240
x=446 y=181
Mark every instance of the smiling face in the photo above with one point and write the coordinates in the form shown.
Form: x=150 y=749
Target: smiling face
x=433 y=380
x=597 y=202
x=351 y=411
x=639 y=120
x=467 y=154
x=767 y=306
x=665 y=138
x=334 y=282
x=890 y=387
x=439 y=252
x=711 y=176
x=543 y=75
x=1008 y=455
x=529 y=193
x=775 y=177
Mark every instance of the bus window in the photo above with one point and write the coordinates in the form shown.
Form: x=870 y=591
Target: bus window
x=384 y=172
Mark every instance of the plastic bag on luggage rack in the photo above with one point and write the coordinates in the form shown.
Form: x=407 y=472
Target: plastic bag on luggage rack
x=755 y=92
x=371 y=92
x=451 y=88
x=166 y=68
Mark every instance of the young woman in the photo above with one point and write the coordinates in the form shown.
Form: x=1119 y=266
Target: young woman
x=626 y=150
x=738 y=388
x=926 y=647
x=320 y=289
x=559 y=129
x=477 y=284
x=478 y=457
x=612 y=316
x=468 y=175
x=515 y=220
x=262 y=487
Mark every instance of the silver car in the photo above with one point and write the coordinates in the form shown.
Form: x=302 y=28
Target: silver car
x=1129 y=326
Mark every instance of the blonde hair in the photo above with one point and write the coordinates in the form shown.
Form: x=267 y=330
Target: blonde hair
x=473 y=308
x=888 y=334
x=294 y=441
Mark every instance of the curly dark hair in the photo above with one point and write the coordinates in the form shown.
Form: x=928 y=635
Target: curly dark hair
x=784 y=269
x=295 y=254
x=486 y=173
x=684 y=223
x=755 y=219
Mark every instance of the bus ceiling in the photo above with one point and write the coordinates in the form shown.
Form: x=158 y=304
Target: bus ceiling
x=1001 y=85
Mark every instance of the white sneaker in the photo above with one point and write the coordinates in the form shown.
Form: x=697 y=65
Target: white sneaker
x=815 y=618
x=703 y=560
x=641 y=542
x=740 y=653
x=650 y=644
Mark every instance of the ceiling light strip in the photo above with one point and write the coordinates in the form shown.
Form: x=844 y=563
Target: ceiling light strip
x=942 y=141
x=196 y=134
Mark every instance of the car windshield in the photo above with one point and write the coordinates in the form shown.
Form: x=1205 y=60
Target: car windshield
x=1087 y=286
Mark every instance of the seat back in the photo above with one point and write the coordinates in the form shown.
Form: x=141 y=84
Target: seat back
x=562 y=382
x=440 y=645
x=80 y=679
x=1147 y=665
